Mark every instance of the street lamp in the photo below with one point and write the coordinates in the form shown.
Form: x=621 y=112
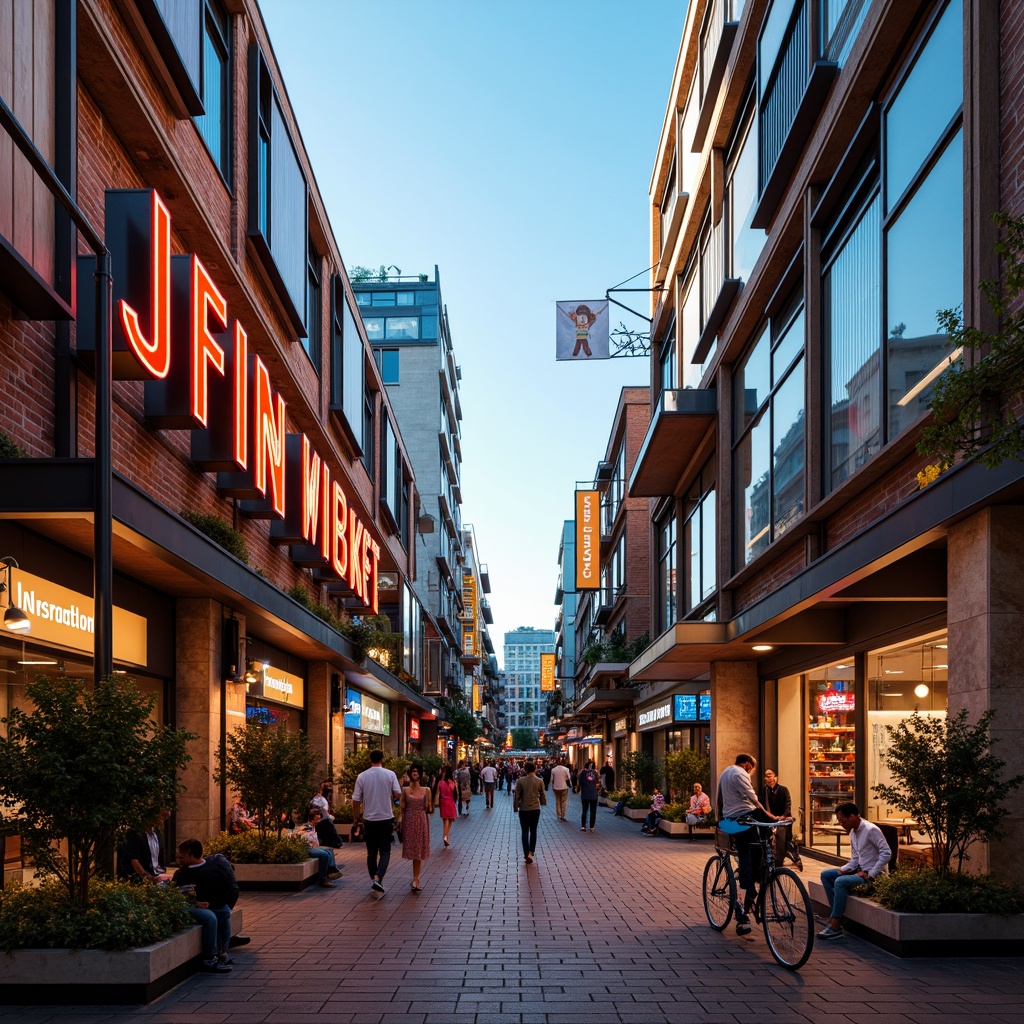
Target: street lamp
x=14 y=618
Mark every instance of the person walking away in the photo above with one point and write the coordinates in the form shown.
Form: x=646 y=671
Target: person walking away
x=650 y=826
x=736 y=798
x=446 y=792
x=416 y=805
x=464 y=779
x=212 y=883
x=778 y=801
x=608 y=776
x=588 y=783
x=869 y=858
x=373 y=800
x=560 y=777
x=489 y=776
x=528 y=799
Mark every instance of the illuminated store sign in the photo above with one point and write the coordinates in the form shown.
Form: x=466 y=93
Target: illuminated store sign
x=65 y=617
x=588 y=540
x=366 y=714
x=836 y=702
x=176 y=335
x=283 y=687
x=653 y=717
x=547 y=673
x=414 y=729
x=691 y=707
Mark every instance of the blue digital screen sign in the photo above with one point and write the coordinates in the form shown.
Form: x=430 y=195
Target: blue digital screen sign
x=691 y=707
x=704 y=707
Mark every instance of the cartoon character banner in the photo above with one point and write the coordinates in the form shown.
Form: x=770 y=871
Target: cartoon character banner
x=581 y=330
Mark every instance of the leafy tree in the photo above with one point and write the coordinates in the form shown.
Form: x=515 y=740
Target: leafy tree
x=556 y=704
x=640 y=768
x=274 y=770
x=685 y=767
x=615 y=649
x=523 y=738
x=947 y=778
x=86 y=764
x=976 y=402
x=359 y=760
x=462 y=722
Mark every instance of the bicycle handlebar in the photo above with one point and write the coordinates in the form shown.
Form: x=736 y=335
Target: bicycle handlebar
x=765 y=824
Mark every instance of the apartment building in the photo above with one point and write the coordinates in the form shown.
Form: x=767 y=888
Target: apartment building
x=824 y=183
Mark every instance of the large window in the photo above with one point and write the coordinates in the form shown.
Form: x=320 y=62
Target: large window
x=616 y=490
x=277 y=193
x=924 y=207
x=348 y=391
x=214 y=123
x=666 y=595
x=745 y=242
x=884 y=346
x=314 y=307
x=388 y=361
x=699 y=544
x=768 y=456
x=668 y=360
x=369 y=430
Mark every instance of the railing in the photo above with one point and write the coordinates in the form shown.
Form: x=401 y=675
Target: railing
x=712 y=268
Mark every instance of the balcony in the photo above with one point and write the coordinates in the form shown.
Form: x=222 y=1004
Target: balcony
x=792 y=96
x=716 y=39
x=485 y=578
x=678 y=426
x=485 y=611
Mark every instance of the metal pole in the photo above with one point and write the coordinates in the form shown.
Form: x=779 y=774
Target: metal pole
x=103 y=533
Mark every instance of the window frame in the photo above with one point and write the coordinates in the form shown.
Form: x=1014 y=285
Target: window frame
x=217 y=19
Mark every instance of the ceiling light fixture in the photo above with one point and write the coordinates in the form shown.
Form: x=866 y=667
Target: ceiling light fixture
x=763 y=647
x=921 y=690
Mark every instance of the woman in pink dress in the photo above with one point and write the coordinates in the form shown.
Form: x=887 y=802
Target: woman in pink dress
x=416 y=805
x=446 y=793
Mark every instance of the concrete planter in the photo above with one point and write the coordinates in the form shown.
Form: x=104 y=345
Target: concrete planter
x=67 y=977
x=635 y=815
x=924 y=935
x=680 y=830
x=276 y=877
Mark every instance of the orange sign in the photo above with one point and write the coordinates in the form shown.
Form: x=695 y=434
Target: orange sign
x=588 y=540
x=547 y=673
x=200 y=376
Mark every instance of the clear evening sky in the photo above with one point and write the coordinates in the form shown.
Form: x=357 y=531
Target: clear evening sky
x=511 y=144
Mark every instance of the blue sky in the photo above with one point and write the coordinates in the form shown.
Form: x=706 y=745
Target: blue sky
x=510 y=144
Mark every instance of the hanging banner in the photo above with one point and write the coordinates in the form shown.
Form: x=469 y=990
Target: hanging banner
x=588 y=540
x=547 y=673
x=581 y=330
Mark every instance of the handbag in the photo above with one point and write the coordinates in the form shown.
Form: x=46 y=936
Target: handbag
x=358 y=833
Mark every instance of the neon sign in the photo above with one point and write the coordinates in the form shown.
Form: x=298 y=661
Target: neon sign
x=176 y=335
x=836 y=702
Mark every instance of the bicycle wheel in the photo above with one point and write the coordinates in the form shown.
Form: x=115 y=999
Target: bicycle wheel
x=788 y=919
x=719 y=892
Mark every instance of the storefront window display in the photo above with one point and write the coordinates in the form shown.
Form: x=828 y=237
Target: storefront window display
x=901 y=680
x=367 y=722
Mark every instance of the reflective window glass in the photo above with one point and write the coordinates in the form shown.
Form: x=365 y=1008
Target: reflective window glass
x=752 y=382
x=753 y=462
x=374 y=327
x=428 y=327
x=925 y=104
x=788 y=456
x=932 y=222
x=405 y=298
x=402 y=328
x=788 y=347
x=747 y=242
x=383 y=298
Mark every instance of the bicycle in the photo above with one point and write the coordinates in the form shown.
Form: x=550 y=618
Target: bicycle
x=782 y=906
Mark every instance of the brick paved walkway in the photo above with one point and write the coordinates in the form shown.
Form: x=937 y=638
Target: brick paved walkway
x=604 y=928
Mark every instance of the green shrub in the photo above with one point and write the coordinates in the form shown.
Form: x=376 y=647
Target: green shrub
x=119 y=916
x=254 y=847
x=343 y=814
x=220 y=531
x=640 y=802
x=617 y=794
x=927 y=891
x=674 y=812
x=11 y=449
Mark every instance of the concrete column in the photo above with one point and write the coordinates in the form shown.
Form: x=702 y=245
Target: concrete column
x=198 y=689
x=318 y=709
x=986 y=622
x=735 y=717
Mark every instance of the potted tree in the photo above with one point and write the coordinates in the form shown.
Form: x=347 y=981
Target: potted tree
x=275 y=771
x=82 y=765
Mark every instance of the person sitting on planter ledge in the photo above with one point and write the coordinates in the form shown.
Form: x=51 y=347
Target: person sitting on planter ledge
x=869 y=858
x=700 y=808
x=324 y=857
x=141 y=855
x=212 y=883
x=650 y=826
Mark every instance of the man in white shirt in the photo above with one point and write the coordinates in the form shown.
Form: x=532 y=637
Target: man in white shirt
x=869 y=858
x=488 y=776
x=560 y=776
x=373 y=800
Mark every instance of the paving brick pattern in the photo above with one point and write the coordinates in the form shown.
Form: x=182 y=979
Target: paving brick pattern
x=605 y=928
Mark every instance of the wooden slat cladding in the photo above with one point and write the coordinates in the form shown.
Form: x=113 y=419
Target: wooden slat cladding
x=27 y=61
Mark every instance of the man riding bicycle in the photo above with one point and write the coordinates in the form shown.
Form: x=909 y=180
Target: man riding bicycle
x=737 y=798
